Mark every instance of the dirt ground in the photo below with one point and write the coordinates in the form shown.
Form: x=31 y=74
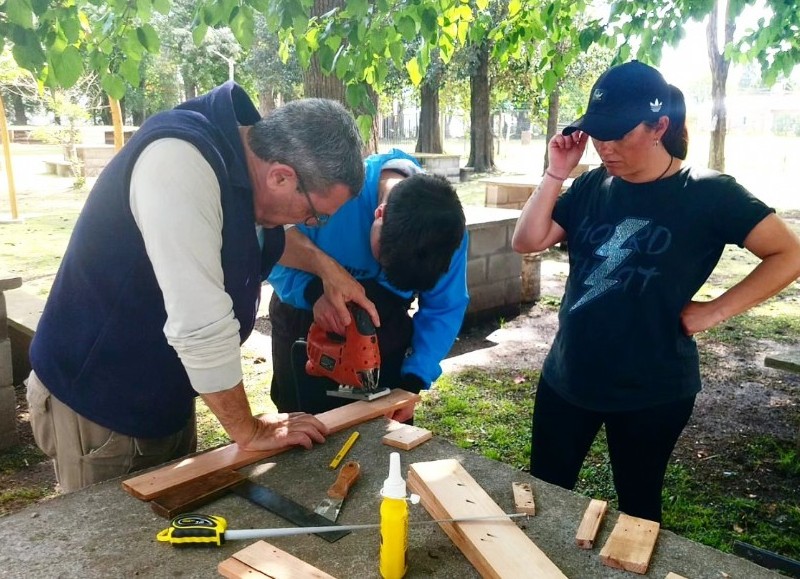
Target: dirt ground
x=741 y=398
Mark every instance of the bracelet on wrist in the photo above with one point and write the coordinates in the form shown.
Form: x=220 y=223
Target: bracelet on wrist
x=556 y=177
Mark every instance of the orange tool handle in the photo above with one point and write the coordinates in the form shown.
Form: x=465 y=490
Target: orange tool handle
x=345 y=479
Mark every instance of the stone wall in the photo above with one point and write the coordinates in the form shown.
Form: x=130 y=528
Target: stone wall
x=8 y=398
x=448 y=166
x=493 y=267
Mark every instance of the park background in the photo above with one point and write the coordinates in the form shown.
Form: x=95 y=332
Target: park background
x=734 y=479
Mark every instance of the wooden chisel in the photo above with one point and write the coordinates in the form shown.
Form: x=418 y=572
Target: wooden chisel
x=332 y=504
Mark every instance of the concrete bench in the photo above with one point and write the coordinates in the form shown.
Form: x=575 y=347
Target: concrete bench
x=24 y=311
x=493 y=267
x=58 y=167
x=94 y=158
x=8 y=397
x=790 y=361
x=447 y=166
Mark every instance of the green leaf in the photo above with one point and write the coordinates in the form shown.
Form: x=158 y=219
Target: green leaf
x=144 y=10
x=113 y=85
x=260 y=6
x=364 y=123
x=27 y=51
x=325 y=57
x=412 y=66
x=67 y=66
x=407 y=27
x=482 y=4
x=161 y=6
x=148 y=37
x=129 y=70
x=429 y=25
x=357 y=8
x=20 y=12
x=514 y=7
x=398 y=51
x=199 y=33
x=243 y=26
x=354 y=93
x=70 y=26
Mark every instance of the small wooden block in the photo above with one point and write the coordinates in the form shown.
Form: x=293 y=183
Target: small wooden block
x=672 y=575
x=407 y=437
x=262 y=560
x=196 y=493
x=631 y=544
x=523 y=498
x=587 y=531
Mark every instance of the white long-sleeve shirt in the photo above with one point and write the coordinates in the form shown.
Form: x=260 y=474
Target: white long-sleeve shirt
x=175 y=200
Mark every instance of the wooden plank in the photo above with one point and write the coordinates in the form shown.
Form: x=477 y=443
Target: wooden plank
x=631 y=544
x=195 y=493
x=406 y=436
x=154 y=483
x=523 y=498
x=235 y=569
x=587 y=531
x=261 y=559
x=495 y=548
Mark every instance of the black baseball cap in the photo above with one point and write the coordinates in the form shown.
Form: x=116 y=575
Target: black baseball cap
x=623 y=96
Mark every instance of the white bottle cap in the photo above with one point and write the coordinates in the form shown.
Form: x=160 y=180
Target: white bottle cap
x=394 y=487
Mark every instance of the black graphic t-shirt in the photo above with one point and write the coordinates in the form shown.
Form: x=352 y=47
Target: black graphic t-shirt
x=637 y=254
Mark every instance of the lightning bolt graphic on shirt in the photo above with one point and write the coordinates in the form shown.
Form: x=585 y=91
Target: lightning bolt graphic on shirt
x=599 y=281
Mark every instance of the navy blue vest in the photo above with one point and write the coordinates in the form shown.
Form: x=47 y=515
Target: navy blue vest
x=100 y=346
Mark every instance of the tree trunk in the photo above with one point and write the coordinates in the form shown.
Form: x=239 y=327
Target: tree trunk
x=429 y=139
x=191 y=90
x=266 y=102
x=719 y=78
x=481 y=153
x=20 y=114
x=319 y=85
x=552 y=122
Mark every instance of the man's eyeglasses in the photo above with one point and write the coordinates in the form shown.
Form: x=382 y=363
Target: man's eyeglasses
x=316 y=219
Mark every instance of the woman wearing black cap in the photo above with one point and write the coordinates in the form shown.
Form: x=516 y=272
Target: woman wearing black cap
x=644 y=233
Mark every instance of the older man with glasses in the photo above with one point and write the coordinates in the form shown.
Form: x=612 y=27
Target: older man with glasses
x=161 y=281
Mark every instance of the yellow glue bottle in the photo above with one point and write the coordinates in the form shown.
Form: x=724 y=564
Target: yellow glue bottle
x=394 y=522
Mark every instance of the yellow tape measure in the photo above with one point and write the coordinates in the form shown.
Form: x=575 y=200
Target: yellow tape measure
x=193 y=529
x=340 y=455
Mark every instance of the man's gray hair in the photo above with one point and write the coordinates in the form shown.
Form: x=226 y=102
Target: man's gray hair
x=318 y=138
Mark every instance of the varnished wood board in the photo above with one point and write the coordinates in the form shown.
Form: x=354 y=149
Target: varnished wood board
x=406 y=436
x=195 y=493
x=630 y=544
x=590 y=524
x=523 y=498
x=154 y=483
x=261 y=559
x=496 y=548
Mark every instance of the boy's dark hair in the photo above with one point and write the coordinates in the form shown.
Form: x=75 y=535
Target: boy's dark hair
x=423 y=225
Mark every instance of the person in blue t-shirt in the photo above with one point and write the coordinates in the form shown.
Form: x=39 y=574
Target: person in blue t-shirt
x=643 y=234
x=404 y=236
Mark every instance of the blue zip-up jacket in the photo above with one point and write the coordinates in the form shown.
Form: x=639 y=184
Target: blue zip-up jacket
x=346 y=239
x=100 y=346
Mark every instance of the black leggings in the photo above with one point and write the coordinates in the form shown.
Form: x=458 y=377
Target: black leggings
x=640 y=443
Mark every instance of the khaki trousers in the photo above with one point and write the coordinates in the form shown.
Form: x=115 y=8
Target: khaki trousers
x=85 y=453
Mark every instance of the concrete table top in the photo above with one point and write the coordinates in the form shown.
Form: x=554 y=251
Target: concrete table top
x=103 y=532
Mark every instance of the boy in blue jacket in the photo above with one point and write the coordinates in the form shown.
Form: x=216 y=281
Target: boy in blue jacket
x=403 y=236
